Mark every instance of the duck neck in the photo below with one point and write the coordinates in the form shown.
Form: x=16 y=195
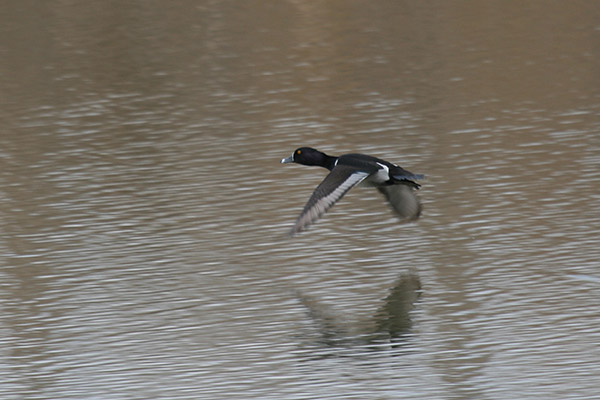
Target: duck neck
x=329 y=162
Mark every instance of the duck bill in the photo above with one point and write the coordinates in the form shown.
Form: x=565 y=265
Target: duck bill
x=288 y=160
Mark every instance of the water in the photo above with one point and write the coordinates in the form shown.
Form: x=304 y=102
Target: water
x=144 y=211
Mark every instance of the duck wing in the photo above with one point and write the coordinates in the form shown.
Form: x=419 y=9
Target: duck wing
x=335 y=185
x=403 y=200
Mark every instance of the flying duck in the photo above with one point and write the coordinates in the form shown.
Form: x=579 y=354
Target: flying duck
x=347 y=171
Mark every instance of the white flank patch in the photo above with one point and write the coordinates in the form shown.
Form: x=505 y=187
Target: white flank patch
x=382 y=175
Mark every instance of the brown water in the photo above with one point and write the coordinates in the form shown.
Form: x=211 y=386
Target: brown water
x=144 y=209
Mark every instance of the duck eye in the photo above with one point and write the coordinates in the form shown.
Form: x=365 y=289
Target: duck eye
x=298 y=151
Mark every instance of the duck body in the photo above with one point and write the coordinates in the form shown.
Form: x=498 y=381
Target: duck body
x=349 y=170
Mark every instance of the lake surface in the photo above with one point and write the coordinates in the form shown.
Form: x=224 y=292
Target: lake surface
x=144 y=211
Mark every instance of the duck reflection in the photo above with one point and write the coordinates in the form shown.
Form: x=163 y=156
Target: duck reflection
x=392 y=320
x=391 y=323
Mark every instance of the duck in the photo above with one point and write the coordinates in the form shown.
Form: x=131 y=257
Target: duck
x=397 y=184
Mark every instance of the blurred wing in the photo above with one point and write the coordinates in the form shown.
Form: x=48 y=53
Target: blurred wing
x=403 y=200
x=334 y=187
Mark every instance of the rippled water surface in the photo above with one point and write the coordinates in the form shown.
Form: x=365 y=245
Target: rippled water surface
x=144 y=212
